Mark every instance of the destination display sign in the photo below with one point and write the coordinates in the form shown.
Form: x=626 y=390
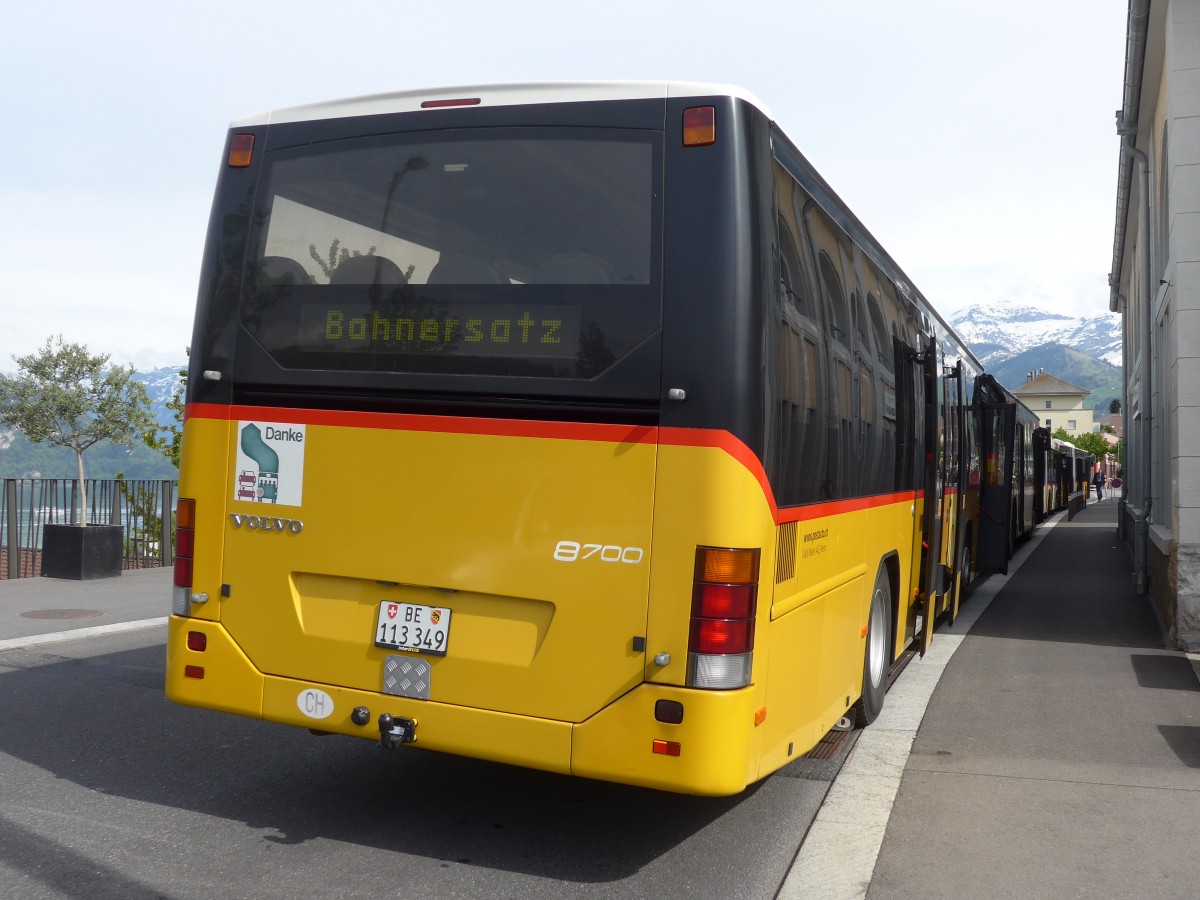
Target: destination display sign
x=533 y=331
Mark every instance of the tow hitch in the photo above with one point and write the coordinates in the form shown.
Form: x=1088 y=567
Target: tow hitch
x=396 y=730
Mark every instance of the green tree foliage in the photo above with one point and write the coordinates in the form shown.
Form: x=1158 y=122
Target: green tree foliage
x=337 y=255
x=66 y=396
x=1114 y=406
x=1092 y=442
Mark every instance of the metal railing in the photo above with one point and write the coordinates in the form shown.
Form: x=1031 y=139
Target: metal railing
x=144 y=508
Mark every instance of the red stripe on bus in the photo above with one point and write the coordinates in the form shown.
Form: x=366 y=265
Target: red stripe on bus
x=723 y=440
x=579 y=431
x=840 y=507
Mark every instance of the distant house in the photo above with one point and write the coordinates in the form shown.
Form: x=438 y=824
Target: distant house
x=1115 y=421
x=1058 y=403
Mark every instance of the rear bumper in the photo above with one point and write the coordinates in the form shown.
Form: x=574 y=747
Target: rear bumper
x=616 y=744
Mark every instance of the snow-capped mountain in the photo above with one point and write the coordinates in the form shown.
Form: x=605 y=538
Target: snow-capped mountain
x=1004 y=330
x=161 y=385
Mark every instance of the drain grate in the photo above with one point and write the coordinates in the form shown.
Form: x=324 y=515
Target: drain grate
x=828 y=746
x=62 y=613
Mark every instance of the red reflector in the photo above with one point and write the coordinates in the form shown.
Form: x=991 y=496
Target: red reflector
x=241 y=150
x=185 y=542
x=666 y=748
x=669 y=712
x=722 y=636
x=438 y=104
x=193 y=671
x=724 y=601
x=699 y=126
x=183 y=572
x=198 y=641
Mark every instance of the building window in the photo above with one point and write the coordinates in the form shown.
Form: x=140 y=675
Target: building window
x=1047 y=423
x=1070 y=424
x=1047 y=404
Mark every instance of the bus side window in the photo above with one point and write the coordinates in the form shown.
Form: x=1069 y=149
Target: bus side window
x=839 y=467
x=796 y=433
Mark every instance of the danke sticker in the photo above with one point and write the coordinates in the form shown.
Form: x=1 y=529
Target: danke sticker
x=270 y=463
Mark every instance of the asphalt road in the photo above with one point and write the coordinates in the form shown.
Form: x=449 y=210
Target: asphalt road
x=110 y=790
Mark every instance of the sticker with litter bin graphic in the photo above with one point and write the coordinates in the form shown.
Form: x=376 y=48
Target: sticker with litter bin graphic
x=270 y=463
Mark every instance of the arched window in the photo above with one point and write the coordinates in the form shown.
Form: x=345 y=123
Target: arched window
x=791 y=270
x=865 y=345
x=881 y=333
x=839 y=319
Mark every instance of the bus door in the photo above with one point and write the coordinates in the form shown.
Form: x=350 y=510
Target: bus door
x=995 y=492
x=934 y=483
x=957 y=464
x=1043 y=474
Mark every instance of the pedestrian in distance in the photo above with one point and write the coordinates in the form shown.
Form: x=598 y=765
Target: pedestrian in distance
x=1098 y=482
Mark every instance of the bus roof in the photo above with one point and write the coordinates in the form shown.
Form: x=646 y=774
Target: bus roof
x=499 y=95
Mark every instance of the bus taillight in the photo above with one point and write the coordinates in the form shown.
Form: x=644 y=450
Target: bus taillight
x=185 y=551
x=724 y=605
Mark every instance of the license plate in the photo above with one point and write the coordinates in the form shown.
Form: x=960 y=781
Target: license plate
x=413 y=627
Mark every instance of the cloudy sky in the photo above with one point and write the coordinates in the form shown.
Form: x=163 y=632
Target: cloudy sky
x=975 y=140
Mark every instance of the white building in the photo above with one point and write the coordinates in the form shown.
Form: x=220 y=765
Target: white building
x=1155 y=283
x=1058 y=403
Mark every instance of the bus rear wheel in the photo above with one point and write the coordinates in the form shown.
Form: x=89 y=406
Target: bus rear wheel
x=877 y=656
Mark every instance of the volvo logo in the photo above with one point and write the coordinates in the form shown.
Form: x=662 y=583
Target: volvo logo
x=266 y=523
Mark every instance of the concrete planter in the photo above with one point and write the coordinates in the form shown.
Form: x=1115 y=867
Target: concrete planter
x=81 y=554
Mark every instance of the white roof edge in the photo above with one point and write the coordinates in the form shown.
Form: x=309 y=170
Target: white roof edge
x=499 y=95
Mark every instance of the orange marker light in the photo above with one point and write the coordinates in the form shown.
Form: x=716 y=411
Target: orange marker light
x=666 y=748
x=241 y=151
x=760 y=716
x=719 y=566
x=699 y=126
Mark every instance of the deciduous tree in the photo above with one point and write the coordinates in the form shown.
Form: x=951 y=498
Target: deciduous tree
x=68 y=396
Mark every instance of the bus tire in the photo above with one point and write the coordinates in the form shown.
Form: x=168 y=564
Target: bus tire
x=877 y=656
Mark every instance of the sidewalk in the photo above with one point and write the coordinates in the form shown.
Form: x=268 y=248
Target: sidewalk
x=34 y=609
x=1059 y=755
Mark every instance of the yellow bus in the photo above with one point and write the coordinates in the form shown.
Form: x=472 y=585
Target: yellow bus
x=579 y=427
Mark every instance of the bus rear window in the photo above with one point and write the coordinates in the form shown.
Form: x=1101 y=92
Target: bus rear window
x=526 y=252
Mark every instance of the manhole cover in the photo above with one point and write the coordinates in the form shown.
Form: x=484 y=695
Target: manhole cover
x=62 y=613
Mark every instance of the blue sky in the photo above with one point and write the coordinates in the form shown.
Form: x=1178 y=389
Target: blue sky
x=976 y=141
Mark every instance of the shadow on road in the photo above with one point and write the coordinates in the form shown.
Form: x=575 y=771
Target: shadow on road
x=85 y=726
